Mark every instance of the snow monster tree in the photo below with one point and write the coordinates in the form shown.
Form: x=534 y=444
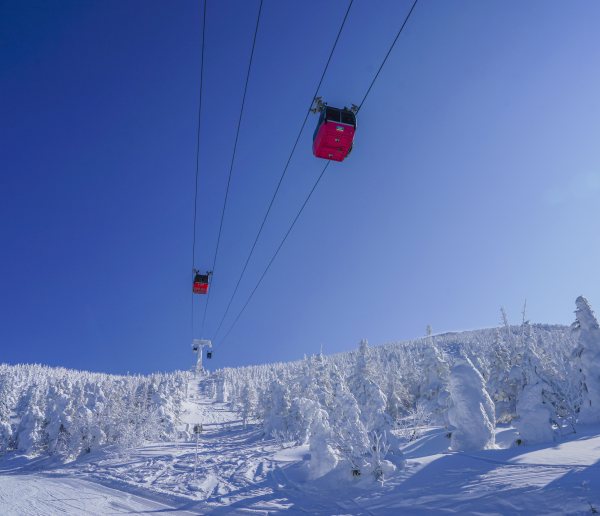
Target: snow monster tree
x=587 y=358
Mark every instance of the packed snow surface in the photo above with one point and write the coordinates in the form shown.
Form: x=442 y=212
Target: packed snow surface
x=240 y=473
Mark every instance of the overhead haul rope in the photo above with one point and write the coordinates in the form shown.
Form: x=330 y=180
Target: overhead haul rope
x=387 y=55
x=232 y=159
x=278 y=249
x=197 y=157
x=315 y=185
x=283 y=174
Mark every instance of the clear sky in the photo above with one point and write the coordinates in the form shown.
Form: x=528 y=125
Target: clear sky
x=474 y=180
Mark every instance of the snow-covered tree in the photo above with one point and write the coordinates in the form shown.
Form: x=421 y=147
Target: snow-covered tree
x=87 y=431
x=372 y=402
x=222 y=391
x=524 y=326
x=6 y=402
x=434 y=389
x=322 y=455
x=306 y=382
x=471 y=410
x=411 y=426
x=587 y=358
x=534 y=410
x=395 y=406
x=278 y=415
x=58 y=420
x=321 y=381
x=248 y=403
x=31 y=425
x=348 y=432
x=497 y=385
x=505 y=323
x=518 y=344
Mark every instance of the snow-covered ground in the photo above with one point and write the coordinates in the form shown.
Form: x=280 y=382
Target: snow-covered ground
x=240 y=473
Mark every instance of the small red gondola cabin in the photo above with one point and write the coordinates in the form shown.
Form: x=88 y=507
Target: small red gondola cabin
x=201 y=282
x=333 y=138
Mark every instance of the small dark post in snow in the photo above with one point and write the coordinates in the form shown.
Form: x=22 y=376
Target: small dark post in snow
x=197 y=430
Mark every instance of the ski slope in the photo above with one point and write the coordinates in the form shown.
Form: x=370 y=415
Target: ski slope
x=240 y=473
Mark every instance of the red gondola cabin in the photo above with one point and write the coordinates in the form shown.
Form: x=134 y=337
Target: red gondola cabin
x=333 y=138
x=201 y=282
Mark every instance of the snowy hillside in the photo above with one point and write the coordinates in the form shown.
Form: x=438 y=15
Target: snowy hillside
x=493 y=421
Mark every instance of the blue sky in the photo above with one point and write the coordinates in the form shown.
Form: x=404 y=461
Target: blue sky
x=474 y=180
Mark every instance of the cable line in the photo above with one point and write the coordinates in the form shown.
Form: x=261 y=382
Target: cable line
x=198 y=156
x=283 y=174
x=389 y=51
x=276 y=252
x=232 y=159
x=315 y=185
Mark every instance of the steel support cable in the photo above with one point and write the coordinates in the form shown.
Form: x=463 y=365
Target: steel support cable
x=283 y=174
x=232 y=160
x=389 y=51
x=198 y=156
x=275 y=255
x=315 y=185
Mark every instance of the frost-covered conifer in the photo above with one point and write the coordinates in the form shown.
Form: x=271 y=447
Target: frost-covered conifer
x=248 y=403
x=233 y=399
x=222 y=391
x=163 y=399
x=263 y=402
x=321 y=381
x=87 y=431
x=349 y=433
x=434 y=389
x=506 y=326
x=395 y=406
x=513 y=386
x=31 y=425
x=78 y=395
x=371 y=401
x=587 y=358
x=322 y=455
x=278 y=416
x=497 y=385
x=471 y=410
x=58 y=418
x=6 y=402
x=534 y=417
x=306 y=383
x=514 y=345
x=518 y=344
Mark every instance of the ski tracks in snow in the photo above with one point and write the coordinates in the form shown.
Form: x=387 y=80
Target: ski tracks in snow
x=37 y=495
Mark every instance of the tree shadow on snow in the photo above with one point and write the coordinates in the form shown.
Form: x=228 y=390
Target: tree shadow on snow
x=524 y=480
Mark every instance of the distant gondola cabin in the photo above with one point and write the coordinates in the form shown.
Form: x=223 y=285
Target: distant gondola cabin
x=200 y=284
x=333 y=138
